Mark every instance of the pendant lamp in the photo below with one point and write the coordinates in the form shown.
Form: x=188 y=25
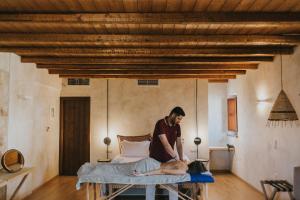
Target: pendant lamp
x=282 y=110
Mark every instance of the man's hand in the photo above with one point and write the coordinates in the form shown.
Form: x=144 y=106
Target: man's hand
x=185 y=161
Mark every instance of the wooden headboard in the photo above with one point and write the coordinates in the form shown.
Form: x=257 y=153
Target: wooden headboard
x=137 y=138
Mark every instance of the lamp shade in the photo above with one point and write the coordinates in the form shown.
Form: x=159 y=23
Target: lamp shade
x=197 y=141
x=107 y=141
x=282 y=109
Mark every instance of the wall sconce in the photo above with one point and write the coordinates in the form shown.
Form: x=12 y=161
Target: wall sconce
x=269 y=100
x=262 y=106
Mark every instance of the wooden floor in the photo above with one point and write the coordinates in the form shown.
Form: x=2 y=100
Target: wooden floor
x=226 y=187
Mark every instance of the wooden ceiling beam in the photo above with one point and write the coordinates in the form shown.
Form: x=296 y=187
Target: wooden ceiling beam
x=127 y=40
x=258 y=18
x=153 y=67
x=218 y=80
x=151 y=76
x=149 y=52
x=129 y=60
x=147 y=72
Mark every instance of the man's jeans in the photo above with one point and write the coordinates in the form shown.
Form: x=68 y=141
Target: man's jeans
x=150 y=193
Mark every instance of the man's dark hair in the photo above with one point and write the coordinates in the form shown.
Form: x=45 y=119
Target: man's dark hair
x=177 y=111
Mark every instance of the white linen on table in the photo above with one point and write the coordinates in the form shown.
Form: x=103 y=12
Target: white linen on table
x=127 y=159
x=121 y=173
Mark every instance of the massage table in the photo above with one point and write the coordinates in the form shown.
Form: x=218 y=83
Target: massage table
x=97 y=176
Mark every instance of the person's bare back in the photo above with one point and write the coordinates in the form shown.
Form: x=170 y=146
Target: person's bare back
x=169 y=168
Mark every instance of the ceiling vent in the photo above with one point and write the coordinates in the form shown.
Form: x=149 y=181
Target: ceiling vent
x=148 y=82
x=78 y=81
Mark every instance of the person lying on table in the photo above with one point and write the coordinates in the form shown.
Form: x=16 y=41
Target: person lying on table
x=168 y=168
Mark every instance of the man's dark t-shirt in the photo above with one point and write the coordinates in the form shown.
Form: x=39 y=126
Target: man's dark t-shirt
x=157 y=150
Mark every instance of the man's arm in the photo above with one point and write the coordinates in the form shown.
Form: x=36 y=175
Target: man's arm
x=179 y=148
x=166 y=145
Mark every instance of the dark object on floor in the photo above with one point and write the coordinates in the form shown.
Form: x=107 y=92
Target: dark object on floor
x=278 y=186
x=196 y=167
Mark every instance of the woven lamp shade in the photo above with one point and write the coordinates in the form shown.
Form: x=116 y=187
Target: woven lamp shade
x=282 y=109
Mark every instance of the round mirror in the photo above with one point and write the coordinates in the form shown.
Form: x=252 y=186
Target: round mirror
x=12 y=160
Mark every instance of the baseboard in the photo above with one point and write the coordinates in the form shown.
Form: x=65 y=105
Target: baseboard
x=222 y=171
x=247 y=183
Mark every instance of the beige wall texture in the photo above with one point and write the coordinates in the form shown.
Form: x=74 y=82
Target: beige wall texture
x=266 y=152
x=4 y=88
x=134 y=110
x=217 y=111
x=31 y=129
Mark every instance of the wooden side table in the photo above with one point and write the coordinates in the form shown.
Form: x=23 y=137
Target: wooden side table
x=5 y=177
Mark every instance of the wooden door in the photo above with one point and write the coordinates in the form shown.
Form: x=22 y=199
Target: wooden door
x=74 y=134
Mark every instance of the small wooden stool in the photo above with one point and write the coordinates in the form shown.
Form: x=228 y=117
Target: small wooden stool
x=279 y=186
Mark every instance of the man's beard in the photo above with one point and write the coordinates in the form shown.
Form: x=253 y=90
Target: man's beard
x=173 y=121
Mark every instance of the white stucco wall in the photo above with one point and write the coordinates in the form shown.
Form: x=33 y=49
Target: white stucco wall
x=134 y=110
x=217 y=111
x=4 y=90
x=263 y=152
x=30 y=95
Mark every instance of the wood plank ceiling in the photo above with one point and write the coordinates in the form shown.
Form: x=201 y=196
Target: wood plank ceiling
x=210 y=39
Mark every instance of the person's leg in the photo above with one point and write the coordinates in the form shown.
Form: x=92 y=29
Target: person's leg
x=150 y=192
x=173 y=195
x=172 y=167
x=150 y=173
x=160 y=172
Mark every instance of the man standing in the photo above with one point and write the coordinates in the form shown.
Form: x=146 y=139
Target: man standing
x=167 y=132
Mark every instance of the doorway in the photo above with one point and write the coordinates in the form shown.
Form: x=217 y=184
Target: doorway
x=74 y=148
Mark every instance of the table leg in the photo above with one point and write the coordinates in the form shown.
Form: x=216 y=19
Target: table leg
x=264 y=190
x=94 y=191
x=18 y=187
x=205 y=188
x=87 y=191
x=273 y=194
x=291 y=196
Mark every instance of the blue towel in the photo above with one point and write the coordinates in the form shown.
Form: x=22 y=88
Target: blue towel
x=202 y=178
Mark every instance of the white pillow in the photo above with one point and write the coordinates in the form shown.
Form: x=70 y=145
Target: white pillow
x=135 y=149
